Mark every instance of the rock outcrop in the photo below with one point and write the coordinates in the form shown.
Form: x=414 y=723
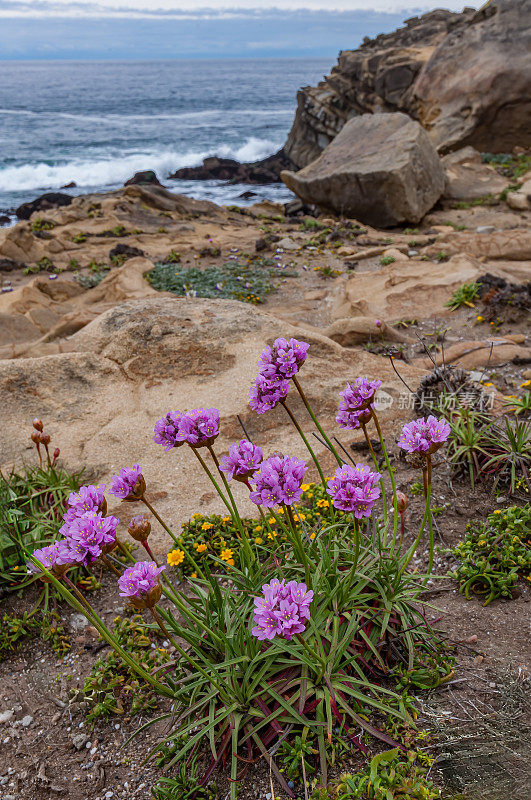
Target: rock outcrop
x=467 y=178
x=465 y=77
x=43 y=203
x=227 y=169
x=145 y=177
x=380 y=169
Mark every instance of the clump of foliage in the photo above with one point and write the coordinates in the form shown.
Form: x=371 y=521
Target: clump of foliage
x=520 y=405
x=47 y=624
x=93 y=278
x=44 y=264
x=464 y=296
x=39 y=224
x=311 y=224
x=391 y=775
x=185 y=785
x=328 y=272
x=79 y=238
x=507 y=164
x=112 y=686
x=494 y=553
x=235 y=281
x=386 y=260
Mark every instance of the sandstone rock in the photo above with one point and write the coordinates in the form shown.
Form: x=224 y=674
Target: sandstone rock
x=358 y=330
x=381 y=169
x=467 y=178
x=520 y=200
x=403 y=290
x=147 y=176
x=376 y=78
x=43 y=203
x=510 y=245
x=144 y=357
x=485 y=102
x=394 y=252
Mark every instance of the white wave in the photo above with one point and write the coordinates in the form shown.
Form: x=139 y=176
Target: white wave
x=125 y=119
x=112 y=171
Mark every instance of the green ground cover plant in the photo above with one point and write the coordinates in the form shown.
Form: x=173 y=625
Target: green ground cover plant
x=464 y=296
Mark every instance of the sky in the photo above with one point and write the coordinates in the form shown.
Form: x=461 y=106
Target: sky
x=146 y=29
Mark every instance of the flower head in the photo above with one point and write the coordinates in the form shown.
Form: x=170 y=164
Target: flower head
x=175 y=557
x=354 y=489
x=53 y=557
x=279 y=481
x=129 y=484
x=89 y=536
x=139 y=528
x=282 y=610
x=199 y=427
x=284 y=358
x=424 y=436
x=88 y=498
x=242 y=461
x=141 y=584
x=266 y=392
x=358 y=395
x=166 y=430
x=353 y=419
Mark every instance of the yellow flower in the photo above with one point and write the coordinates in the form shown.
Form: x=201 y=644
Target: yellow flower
x=271 y=520
x=498 y=511
x=226 y=555
x=525 y=384
x=193 y=575
x=280 y=511
x=196 y=516
x=201 y=548
x=305 y=486
x=226 y=519
x=481 y=543
x=301 y=516
x=479 y=318
x=175 y=558
x=487 y=384
x=312 y=535
x=272 y=535
x=206 y=526
x=259 y=540
x=323 y=504
x=258 y=529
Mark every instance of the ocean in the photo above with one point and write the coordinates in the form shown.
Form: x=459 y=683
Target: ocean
x=96 y=123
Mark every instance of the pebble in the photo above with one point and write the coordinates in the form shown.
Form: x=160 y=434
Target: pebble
x=485 y=229
x=109 y=794
x=412 y=253
x=26 y=721
x=5 y=716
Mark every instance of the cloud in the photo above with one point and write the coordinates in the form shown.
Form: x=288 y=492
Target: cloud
x=213 y=9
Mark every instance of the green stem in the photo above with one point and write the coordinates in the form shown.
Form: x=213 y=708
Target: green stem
x=159 y=518
x=297 y=541
x=175 y=540
x=391 y=477
x=213 y=480
x=412 y=549
x=234 y=513
x=311 y=652
x=356 y=545
x=430 y=520
x=306 y=442
x=316 y=421
x=377 y=467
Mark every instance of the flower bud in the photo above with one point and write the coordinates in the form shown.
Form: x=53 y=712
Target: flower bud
x=103 y=507
x=37 y=424
x=138 y=490
x=401 y=502
x=35 y=437
x=147 y=600
x=56 y=454
x=45 y=439
x=139 y=528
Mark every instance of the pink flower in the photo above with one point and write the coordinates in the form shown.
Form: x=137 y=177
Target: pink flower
x=242 y=461
x=129 y=483
x=424 y=435
x=139 y=579
x=358 y=395
x=282 y=610
x=199 y=427
x=354 y=489
x=89 y=498
x=278 y=481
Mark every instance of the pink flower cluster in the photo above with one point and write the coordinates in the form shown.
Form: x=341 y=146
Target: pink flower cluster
x=199 y=428
x=278 y=481
x=139 y=579
x=276 y=366
x=87 y=532
x=354 y=489
x=127 y=482
x=424 y=435
x=282 y=611
x=243 y=460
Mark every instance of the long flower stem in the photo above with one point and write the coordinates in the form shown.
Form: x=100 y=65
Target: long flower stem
x=297 y=541
x=356 y=545
x=306 y=442
x=377 y=466
x=234 y=513
x=310 y=651
x=316 y=421
x=175 y=540
x=391 y=477
x=430 y=519
x=212 y=480
x=108 y=563
x=412 y=549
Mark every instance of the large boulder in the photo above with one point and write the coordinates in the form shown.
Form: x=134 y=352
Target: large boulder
x=474 y=90
x=467 y=178
x=381 y=169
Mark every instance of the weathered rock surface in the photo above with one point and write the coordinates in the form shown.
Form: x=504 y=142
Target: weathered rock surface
x=147 y=176
x=353 y=331
x=475 y=87
x=473 y=354
x=381 y=169
x=43 y=203
x=467 y=178
x=227 y=169
x=465 y=77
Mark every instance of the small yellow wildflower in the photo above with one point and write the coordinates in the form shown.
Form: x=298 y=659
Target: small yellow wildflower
x=479 y=318
x=193 y=575
x=323 y=503
x=312 y=535
x=301 y=516
x=196 y=516
x=498 y=511
x=525 y=384
x=280 y=511
x=305 y=486
x=271 y=520
x=226 y=555
x=258 y=528
x=272 y=535
x=175 y=558
x=206 y=526
x=487 y=384
x=259 y=540
x=481 y=543
x=201 y=548
x=226 y=519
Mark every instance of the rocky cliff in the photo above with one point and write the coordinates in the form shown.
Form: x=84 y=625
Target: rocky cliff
x=465 y=77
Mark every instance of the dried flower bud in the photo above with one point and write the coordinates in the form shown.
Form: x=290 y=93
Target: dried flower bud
x=37 y=424
x=56 y=454
x=36 y=438
x=148 y=600
x=103 y=507
x=139 y=528
x=45 y=439
x=401 y=502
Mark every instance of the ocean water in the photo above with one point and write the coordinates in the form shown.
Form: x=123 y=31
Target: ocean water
x=96 y=123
